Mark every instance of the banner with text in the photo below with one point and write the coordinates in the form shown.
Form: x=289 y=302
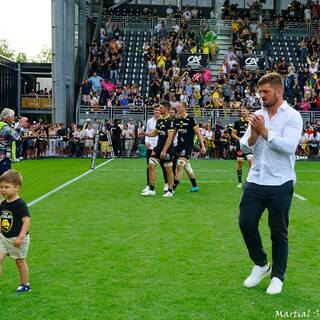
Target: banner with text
x=195 y=61
x=252 y=62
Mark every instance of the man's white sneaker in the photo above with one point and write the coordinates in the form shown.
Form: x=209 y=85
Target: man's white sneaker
x=165 y=188
x=239 y=185
x=257 y=274
x=148 y=193
x=275 y=286
x=168 y=195
x=145 y=189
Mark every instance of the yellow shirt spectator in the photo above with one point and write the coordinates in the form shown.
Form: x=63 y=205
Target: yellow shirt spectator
x=205 y=49
x=235 y=26
x=161 y=61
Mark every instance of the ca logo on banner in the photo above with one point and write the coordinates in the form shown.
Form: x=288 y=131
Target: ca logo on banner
x=194 y=60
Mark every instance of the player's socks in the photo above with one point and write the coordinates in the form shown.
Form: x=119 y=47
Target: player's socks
x=170 y=190
x=175 y=184
x=194 y=183
x=239 y=173
x=151 y=187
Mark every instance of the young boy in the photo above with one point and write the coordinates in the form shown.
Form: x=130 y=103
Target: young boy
x=14 y=222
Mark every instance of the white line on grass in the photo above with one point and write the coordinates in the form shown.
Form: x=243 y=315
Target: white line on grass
x=124 y=170
x=231 y=181
x=202 y=170
x=299 y=197
x=133 y=170
x=65 y=184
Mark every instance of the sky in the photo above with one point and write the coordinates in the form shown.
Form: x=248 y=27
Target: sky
x=26 y=25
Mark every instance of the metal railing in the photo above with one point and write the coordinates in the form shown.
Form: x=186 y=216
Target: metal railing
x=224 y=116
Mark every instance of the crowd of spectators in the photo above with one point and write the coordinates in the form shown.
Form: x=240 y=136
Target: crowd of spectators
x=168 y=80
x=41 y=140
x=41 y=93
x=301 y=82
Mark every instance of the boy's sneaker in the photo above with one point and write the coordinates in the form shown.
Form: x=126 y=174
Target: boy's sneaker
x=239 y=185
x=168 y=194
x=257 y=274
x=194 y=189
x=148 y=193
x=23 y=288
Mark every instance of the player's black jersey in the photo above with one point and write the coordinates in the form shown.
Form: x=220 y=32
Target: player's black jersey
x=240 y=127
x=185 y=130
x=163 y=126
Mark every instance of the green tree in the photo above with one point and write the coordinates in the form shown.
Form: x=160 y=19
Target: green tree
x=21 y=57
x=45 y=56
x=5 y=50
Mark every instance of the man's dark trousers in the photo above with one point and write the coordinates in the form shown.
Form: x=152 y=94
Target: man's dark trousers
x=277 y=199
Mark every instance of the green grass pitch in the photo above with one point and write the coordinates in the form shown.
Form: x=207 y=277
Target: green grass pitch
x=101 y=251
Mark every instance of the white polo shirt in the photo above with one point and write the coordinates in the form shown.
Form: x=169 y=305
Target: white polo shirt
x=151 y=125
x=273 y=161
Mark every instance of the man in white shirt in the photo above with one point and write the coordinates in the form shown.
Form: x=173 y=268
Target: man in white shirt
x=169 y=11
x=313 y=142
x=152 y=66
x=307 y=15
x=273 y=136
x=151 y=143
x=187 y=13
x=88 y=135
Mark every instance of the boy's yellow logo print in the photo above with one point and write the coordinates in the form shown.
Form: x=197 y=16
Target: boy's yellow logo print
x=6 y=224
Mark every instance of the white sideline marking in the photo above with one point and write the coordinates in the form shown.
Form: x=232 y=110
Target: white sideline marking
x=299 y=197
x=66 y=184
x=124 y=170
x=211 y=181
x=198 y=170
x=201 y=170
x=219 y=181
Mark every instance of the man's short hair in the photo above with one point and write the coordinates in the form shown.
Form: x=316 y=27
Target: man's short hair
x=273 y=78
x=11 y=176
x=184 y=103
x=7 y=113
x=173 y=109
x=165 y=104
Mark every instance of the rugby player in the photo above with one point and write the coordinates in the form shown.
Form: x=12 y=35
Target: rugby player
x=163 y=151
x=186 y=128
x=151 y=143
x=239 y=128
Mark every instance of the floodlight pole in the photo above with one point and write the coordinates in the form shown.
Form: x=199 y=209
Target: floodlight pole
x=59 y=60
x=70 y=60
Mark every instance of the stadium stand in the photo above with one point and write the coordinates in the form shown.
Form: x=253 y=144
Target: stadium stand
x=288 y=43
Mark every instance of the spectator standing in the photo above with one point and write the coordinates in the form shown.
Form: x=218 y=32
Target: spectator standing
x=116 y=138
x=128 y=136
x=8 y=136
x=96 y=82
x=85 y=92
x=88 y=135
x=313 y=142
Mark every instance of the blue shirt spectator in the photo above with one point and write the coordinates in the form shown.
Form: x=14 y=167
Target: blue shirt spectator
x=96 y=82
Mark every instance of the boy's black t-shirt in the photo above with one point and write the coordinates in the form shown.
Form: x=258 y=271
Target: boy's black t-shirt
x=11 y=214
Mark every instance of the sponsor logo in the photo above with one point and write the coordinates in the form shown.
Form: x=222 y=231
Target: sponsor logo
x=194 y=60
x=252 y=62
x=301 y=157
